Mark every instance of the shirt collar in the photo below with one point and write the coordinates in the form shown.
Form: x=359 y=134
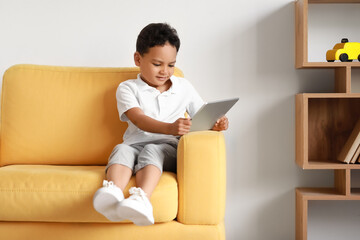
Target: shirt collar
x=143 y=86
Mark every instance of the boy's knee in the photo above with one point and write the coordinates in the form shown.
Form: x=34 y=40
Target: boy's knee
x=143 y=165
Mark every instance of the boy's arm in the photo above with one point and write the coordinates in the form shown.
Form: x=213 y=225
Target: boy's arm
x=148 y=124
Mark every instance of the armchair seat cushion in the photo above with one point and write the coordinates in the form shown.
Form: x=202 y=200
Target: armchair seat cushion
x=46 y=193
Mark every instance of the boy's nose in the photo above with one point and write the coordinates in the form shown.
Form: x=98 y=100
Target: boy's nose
x=164 y=69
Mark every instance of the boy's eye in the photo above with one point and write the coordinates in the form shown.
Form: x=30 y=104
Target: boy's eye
x=158 y=65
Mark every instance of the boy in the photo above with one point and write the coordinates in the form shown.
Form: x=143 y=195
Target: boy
x=153 y=105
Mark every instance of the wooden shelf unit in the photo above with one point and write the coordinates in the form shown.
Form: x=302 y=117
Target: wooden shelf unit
x=324 y=121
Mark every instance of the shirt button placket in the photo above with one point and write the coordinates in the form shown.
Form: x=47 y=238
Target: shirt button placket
x=163 y=104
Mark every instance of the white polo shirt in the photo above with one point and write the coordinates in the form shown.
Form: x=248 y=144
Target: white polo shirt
x=167 y=107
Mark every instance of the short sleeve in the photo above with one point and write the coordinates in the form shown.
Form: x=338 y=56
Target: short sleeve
x=126 y=99
x=196 y=102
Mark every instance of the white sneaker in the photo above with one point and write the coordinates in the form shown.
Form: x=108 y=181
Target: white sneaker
x=106 y=199
x=137 y=208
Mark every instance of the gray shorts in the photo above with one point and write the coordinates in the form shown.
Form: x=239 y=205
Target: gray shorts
x=139 y=155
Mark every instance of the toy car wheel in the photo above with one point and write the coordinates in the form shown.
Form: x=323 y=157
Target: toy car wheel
x=359 y=57
x=331 y=60
x=344 y=57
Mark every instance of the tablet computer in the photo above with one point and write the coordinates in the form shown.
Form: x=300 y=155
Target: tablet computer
x=209 y=113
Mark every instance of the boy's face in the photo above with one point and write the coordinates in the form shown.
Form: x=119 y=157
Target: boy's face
x=157 y=65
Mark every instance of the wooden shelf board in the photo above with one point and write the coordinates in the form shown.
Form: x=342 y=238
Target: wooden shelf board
x=329 y=165
x=329 y=95
x=355 y=64
x=326 y=194
x=334 y=1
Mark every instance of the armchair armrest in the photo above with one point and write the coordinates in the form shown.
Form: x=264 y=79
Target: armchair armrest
x=201 y=175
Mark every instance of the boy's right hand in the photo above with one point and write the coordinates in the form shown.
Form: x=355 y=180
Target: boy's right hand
x=180 y=127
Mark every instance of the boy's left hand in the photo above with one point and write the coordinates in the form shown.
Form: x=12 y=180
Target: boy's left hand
x=221 y=124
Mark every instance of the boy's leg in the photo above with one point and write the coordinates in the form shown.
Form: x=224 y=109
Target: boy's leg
x=147 y=178
x=120 y=165
x=137 y=207
x=106 y=198
x=151 y=161
x=119 y=174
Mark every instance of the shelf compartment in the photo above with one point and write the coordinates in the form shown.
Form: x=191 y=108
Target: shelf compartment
x=355 y=192
x=342 y=189
x=324 y=122
x=304 y=195
x=301 y=35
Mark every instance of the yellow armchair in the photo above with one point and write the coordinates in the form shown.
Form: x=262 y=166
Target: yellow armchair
x=58 y=127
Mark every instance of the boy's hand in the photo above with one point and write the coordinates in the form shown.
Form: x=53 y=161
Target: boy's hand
x=180 y=127
x=221 y=124
x=148 y=124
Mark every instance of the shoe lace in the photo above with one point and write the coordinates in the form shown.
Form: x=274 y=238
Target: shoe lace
x=137 y=192
x=108 y=183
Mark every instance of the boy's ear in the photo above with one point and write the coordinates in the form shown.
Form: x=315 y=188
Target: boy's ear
x=137 y=58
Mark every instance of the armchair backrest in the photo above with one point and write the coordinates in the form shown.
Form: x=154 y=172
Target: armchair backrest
x=60 y=115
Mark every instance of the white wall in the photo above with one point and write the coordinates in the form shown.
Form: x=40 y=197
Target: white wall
x=243 y=48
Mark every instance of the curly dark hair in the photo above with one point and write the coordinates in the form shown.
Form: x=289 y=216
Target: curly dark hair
x=156 y=34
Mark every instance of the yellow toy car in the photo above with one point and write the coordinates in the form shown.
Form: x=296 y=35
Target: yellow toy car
x=345 y=51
